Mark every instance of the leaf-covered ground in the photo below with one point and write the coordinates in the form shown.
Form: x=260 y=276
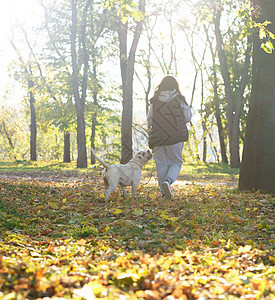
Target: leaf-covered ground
x=60 y=239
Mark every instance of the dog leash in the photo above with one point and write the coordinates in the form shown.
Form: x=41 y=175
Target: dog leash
x=151 y=175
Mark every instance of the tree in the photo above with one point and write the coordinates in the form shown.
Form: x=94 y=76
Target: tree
x=216 y=99
x=57 y=63
x=190 y=33
x=97 y=25
x=13 y=134
x=44 y=87
x=28 y=74
x=80 y=99
x=258 y=164
x=127 y=67
x=235 y=101
x=91 y=23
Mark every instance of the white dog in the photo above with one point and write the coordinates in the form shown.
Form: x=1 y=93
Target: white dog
x=124 y=174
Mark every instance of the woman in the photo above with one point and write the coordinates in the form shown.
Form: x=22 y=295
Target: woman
x=168 y=115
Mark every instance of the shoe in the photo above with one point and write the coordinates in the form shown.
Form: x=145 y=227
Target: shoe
x=167 y=190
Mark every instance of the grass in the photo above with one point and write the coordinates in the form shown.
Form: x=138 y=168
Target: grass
x=27 y=166
x=208 y=172
x=205 y=172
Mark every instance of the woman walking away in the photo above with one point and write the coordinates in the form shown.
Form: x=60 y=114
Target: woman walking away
x=167 y=117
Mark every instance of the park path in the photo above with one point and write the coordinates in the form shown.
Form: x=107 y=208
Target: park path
x=48 y=176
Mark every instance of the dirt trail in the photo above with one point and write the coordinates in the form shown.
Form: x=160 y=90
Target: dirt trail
x=90 y=177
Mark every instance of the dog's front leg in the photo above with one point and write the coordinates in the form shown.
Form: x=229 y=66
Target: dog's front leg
x=134 y=188
x=108 y=192
x=123 y=191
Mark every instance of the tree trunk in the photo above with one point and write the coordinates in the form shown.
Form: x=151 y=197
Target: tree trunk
x=204 y=118
x=33 y=127
x=127 y=74
x=221 y=136
x=234 y=161
x=215 y=151
x=7 y=134
x=233 y=111
x=93 y=137
x=127 y=102
x=258 y=163
x=79 y=102
x=217 y=102
x=94 y=114
x=218 y=116
x=204 y=149
x=67 y=152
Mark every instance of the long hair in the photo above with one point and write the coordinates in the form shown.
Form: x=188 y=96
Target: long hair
x=168 y=83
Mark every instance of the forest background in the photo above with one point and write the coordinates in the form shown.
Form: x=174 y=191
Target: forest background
x=79 y=75
x=88 y=69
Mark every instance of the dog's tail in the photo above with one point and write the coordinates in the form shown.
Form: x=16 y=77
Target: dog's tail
x=99 y=159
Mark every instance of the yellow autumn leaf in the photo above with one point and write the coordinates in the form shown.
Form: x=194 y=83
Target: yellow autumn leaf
x=132 y=244
x=53 y=205
x=138 y=211
x=177 y=229
x=117 y=211
x=107 y=228
x=97 y=288
x=244 y=249
x=152 y=196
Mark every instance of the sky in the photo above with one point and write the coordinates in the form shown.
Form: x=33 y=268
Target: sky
x=10 y=12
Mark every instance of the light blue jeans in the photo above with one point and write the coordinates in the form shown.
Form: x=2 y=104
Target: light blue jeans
x=168 y=162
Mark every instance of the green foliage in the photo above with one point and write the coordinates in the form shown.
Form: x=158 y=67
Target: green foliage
x=245 y=13
x=85 y=231
x=125 y=9
x=14 y=138
x=265 y=36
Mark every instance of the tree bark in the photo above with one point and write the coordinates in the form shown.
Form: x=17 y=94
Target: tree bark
x=94 y=121
x=33 y=127
x=204 y=141
x=127 y=63
x=218 y=119
x=96 y=86
x=67 y=152
x=258 y=164
x=79 y=101
x=94 y=114
x=218 y=116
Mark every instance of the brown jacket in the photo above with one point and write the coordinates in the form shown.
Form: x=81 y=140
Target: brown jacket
x=169 y=125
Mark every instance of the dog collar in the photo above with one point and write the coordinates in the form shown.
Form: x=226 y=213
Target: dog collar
x=136 y=164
